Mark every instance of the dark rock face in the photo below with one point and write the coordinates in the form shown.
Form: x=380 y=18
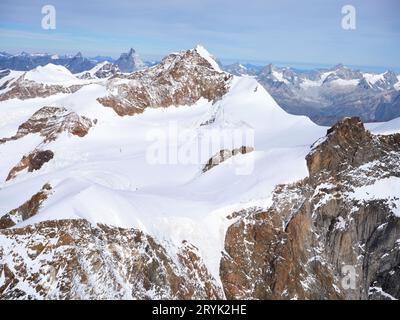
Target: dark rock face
x=316 y=230
x=83 y=261
x=34 y=161
x=180 y=79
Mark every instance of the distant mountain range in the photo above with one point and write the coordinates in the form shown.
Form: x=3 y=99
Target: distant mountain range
x=127 y=62
x=324 y=95
x=328 y=95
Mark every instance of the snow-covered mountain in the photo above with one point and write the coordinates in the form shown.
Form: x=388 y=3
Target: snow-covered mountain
x=182 y=181
x=327 y=95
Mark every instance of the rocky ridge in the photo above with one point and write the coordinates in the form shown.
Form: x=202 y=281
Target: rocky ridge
x=179 y=79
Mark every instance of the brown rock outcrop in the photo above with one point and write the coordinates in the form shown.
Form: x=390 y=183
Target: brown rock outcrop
x=50 y=122
x=179 y=79
x=34 y=161
x=348 y=144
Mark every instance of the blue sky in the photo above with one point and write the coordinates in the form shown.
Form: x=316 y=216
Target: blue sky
x=298 y=32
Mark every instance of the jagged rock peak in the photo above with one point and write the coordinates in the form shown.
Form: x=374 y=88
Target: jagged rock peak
x=348 y=144
x=268 y=69
x=130 y=61
x=79 y=55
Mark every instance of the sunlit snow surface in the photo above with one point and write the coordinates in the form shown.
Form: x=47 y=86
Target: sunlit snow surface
x=106 y=176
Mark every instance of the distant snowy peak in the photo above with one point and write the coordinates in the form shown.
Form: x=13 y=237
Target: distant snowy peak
x=383 y=81
x=276 y=76
x=340 y=75
x=129 y=62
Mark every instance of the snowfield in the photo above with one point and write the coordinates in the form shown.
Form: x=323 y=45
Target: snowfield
x=108 y=177
x=52 y=75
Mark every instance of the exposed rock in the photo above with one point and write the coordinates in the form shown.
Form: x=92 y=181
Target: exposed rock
x=180 y=79
x=297 y=248
x=348 y=144
x=72 y=259
x=50 y=122
x=26 y=210
x=26 y=89
x=33 y=161
x=224 y=155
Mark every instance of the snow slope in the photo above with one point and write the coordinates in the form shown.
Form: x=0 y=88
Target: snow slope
x=385 y=128
x=53 y=75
